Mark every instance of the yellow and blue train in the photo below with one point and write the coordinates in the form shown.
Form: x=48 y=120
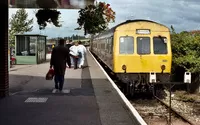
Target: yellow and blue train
x=137 y=51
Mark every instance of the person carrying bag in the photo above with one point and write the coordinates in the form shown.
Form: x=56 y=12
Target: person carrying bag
x=50 y=74
x=59 y=58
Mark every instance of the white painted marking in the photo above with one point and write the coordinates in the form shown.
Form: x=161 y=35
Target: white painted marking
x=66 y=91
x=36 y=100
x=128 y=104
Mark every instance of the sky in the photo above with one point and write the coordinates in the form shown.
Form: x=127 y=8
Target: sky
x=184 y=15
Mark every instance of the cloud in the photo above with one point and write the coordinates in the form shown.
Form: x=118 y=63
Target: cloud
x=182 y=14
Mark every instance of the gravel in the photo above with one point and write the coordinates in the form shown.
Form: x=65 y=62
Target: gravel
x=154 y=113
x=188 y=109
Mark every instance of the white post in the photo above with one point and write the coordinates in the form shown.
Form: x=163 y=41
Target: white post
x=187 y=77
x=152 y=78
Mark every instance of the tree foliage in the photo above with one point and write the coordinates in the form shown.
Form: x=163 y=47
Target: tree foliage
x=186 y=51
x=186 y=57
x=95 y=18
x=19 y=24
x=45 y=16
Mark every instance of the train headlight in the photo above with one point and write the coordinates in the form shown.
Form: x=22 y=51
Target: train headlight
x=163 y=67
x=124 y=67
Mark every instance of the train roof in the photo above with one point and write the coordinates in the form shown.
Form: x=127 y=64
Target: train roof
x=126 y=22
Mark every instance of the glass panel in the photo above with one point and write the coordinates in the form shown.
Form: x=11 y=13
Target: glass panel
x=107 y=45
x=41 y=49
x=111 y=45
x=126 y=45
x=25 y=46
x=143 y=45
x=160 y=45
x=33 y=45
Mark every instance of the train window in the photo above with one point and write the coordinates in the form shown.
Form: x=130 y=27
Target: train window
x=143 y=45
x=159 y=45
x=111 y=45
x=126 y=45
x=103 y=46
x=107 y=45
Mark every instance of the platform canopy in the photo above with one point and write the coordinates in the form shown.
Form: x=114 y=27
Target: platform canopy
x=60 y=4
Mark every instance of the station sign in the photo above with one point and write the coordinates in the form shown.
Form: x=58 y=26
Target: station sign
x=143 y=31
x=59 y=4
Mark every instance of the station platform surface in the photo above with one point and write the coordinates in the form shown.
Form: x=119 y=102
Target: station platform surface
x=89 y=98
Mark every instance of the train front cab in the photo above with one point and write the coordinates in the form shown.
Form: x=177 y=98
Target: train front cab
x=142 y=51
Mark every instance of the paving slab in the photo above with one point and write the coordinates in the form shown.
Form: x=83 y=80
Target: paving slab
x=59 y=110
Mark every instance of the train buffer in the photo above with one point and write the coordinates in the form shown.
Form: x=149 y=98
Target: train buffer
x=89 y=98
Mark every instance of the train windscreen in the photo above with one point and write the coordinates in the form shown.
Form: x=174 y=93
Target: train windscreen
x=143 y=45
x=159 y=45
x=126 y=45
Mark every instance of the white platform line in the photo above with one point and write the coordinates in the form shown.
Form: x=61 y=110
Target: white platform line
x=128 y=104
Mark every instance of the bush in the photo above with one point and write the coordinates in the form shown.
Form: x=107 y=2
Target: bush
x=186 y=51
x=186 y=55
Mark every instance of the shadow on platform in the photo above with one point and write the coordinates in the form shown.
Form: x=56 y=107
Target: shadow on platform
x=37 y=85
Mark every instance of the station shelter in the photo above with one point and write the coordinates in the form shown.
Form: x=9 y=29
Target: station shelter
x=30 y=49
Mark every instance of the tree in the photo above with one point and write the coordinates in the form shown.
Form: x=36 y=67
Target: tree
x=45 y=16
x=173 y=30
x=19 y=24
x=95 y=18
x=186 y=48
x=186 y=56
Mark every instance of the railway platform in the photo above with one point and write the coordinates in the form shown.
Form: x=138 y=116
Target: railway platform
x=89 y=98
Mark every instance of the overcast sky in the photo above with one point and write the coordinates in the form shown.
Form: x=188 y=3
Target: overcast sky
x=182 y=14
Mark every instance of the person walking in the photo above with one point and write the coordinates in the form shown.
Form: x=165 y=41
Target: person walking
x=68 y=45
x=82 y=50
x=74 y=54
x=59 y=58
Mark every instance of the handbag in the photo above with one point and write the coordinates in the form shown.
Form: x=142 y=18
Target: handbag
x=50 y=74
x=79 y=55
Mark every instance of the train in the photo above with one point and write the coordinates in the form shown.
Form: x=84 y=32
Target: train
x=138 y=52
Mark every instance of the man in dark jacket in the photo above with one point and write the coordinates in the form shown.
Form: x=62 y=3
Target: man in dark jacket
x=59 y=58
x=69 y=44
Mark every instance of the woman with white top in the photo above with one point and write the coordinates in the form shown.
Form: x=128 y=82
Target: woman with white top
x=74 y=52
x=82 y=50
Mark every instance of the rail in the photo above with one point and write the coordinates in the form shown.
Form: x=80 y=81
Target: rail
x=174 y=111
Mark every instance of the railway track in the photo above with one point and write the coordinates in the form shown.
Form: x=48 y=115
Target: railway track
x=155 y=113
x=171 y=110
x=161 y=118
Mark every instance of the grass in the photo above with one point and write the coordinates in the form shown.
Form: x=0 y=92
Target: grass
x=187 y=97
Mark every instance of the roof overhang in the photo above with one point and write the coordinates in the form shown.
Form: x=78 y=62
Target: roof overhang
x=59 y=4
